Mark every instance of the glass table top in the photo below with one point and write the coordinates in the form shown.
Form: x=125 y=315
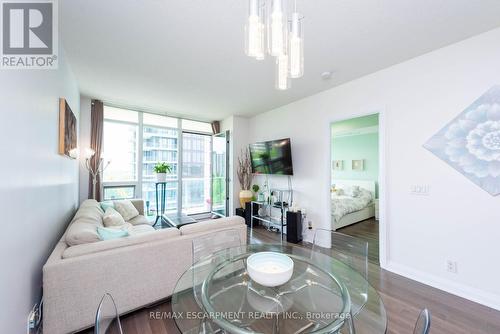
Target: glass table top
x=217 y=294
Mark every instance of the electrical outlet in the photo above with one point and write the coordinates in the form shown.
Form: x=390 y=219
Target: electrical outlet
x=310 y=225
x=34 y=319
x=451 y=266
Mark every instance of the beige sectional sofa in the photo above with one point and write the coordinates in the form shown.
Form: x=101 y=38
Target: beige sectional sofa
x=137 y=270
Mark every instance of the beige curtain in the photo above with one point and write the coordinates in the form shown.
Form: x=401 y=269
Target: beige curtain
x=215 y=127
x=96 y=128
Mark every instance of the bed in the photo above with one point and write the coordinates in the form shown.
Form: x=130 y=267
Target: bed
x=348 y=209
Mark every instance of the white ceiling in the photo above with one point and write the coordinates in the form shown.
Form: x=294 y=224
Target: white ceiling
x=186 y=57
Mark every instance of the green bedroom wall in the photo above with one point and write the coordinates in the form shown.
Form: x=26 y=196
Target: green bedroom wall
x=354 y=147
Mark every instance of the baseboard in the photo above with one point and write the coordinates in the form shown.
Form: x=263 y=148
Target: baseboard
x=473 y=294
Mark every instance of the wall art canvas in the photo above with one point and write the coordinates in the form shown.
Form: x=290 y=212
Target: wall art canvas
x=67 y=129
x=358 y=165
x=338 y=164
x=470 y=143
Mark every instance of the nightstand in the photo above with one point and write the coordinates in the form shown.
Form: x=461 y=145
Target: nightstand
x=376 y=209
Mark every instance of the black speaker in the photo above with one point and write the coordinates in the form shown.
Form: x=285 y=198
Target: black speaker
x=240 y=212
x=294 y=227
x=248 y=215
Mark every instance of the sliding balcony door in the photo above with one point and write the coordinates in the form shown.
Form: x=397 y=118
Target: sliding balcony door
x=196 y=173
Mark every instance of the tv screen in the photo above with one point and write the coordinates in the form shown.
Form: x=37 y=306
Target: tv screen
x=272 y=157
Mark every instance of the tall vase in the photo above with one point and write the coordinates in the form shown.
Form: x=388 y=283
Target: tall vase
x=245 y=197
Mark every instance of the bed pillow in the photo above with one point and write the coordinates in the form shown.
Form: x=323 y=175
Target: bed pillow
x=353 y=191
x=126 y=209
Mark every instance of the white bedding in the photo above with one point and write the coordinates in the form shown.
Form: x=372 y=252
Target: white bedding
x=343 y=204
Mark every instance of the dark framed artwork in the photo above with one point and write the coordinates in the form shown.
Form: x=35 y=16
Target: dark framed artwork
x=67 y=129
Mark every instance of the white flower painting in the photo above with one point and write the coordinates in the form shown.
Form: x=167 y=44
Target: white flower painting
x=471 y=142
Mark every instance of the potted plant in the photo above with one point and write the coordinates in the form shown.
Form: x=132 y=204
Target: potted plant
x=255 y=189
x=244 y=172
x=161 y=169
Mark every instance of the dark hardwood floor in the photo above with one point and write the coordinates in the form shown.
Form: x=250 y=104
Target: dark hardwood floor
x=403 y=300
x=368 y=231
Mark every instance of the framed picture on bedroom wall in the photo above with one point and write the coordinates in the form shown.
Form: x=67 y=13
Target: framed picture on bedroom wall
x=67 y=130
x=358 y=165
x=338 y=164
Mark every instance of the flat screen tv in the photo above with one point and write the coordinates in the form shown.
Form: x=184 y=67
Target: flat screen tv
x=272 y=157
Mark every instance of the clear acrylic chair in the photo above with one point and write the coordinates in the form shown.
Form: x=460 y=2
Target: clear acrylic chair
x=353 y=252
x=107 y=320
x=204 y=247
x=423 y=323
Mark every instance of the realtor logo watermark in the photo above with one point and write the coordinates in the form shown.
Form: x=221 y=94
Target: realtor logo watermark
x=29 y=34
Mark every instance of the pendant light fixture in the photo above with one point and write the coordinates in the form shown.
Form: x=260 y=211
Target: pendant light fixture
x=277 y=29
x=285 y=39
x=296 y=45
x=254 y=30
x=282 y=75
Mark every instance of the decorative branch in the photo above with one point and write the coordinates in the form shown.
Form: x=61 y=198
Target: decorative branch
x=244 y=170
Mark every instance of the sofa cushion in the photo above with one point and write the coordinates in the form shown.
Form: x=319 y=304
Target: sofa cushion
x=112 y=218
x=152 y=236
x=139 y=220
x=139 y=229
x=89 y=209
x=82 y=233
x=211 y=225
x=126 y=209
x=83 y=228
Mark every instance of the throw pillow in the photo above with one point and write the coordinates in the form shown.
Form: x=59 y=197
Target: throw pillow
x=107 y=204
x=126 y=209
x=112 y=218
x=110 y=233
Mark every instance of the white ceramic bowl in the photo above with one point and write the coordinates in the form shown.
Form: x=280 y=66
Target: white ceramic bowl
x=270 y=268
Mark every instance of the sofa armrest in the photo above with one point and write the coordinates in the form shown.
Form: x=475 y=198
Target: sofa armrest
x=135 y=276
x=139 y=205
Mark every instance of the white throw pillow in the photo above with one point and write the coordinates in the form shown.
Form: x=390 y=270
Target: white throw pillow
x=126 y=209
x=112 y=218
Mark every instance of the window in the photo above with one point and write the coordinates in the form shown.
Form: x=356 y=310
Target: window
x=136 y=141
x=159 y=144
x=195 y=126
x=196 y=174
x=114 y=193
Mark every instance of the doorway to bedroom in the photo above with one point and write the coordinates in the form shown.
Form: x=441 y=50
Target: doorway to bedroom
x=354 y=190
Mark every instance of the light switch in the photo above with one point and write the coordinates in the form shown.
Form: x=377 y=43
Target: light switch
x=420 y=189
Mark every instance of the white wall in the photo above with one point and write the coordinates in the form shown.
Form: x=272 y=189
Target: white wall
x=84 y=142
x=458 y=220
x=38 y=187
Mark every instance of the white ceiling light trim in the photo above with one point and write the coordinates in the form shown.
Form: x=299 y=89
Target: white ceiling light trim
x=285 y=39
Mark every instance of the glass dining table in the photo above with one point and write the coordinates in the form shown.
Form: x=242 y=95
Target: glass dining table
x=216 y=295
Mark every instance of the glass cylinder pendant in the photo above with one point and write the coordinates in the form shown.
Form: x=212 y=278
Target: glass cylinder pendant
x=282 y=77
x=277 y=29
x=296 y=46
x=255 y=29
